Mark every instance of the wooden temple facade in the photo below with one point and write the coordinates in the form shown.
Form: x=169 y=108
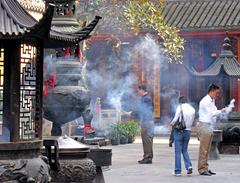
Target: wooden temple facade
x=204 y=25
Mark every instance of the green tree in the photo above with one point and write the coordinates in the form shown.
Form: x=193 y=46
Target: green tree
x=147 y=15
x=138 y=16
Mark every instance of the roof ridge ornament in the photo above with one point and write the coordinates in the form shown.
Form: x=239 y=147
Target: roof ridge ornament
x=226 y=63
x=227 y=44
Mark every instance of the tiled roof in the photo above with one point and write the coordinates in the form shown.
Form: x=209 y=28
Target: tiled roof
x=63 y=31
x=203 y=15
x=34 y=5
x=225 y=63
x=15 y=21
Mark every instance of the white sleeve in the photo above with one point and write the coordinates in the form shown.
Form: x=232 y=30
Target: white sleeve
x=211 y=109
x=216 y=112
x=177 y=114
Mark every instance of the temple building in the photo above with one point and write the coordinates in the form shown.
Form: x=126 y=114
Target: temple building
x=23 y=40
x=222 y=71
x=203 y=24
x=64 y=31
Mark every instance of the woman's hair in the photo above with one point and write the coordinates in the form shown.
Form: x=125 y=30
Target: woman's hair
x=213 y=87
x=182 y=100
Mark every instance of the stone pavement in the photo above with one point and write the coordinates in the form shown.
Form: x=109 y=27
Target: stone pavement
x=125 y=168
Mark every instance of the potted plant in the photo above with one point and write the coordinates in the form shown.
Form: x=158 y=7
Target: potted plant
x=133 y=129
x=114 y=135
x=128 y=131
x=123 y=132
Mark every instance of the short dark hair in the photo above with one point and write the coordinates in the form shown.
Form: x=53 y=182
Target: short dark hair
x=142 y=87
x=213 y=87
x=182 y=100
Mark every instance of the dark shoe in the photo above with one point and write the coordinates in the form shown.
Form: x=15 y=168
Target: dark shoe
x=170 y=144
x=145 y=161
x=212 y=173
x=205 y=173
x=189 y=171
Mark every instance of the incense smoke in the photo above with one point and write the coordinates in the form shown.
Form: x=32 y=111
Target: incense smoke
x=228 y=109
x=159 y=130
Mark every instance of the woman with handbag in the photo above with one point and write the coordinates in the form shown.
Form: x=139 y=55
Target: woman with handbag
x=181 y=124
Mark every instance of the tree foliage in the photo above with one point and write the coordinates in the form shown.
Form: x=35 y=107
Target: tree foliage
x=145 y=15
x=138 y=16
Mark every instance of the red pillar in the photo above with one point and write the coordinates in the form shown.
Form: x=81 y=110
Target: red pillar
x=238 y=81
x=238 y=99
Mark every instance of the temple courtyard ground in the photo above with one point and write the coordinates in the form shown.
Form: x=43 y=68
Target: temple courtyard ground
x=125 y=168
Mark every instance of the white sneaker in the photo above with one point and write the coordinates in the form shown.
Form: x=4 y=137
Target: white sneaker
x=177 y=174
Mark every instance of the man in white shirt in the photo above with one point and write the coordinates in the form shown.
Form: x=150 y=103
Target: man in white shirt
x=208 y=113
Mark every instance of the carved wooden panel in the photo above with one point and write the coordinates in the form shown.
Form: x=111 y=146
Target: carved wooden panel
x=27 y=92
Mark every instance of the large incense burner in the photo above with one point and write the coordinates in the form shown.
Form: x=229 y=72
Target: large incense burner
x=66 y=97
x=231 y=135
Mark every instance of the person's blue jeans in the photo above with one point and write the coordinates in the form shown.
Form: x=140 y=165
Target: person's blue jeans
x=181 y=140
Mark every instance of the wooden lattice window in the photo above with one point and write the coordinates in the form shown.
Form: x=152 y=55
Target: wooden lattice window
x=27 y=92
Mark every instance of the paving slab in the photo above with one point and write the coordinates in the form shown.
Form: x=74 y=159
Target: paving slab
x=125 y=168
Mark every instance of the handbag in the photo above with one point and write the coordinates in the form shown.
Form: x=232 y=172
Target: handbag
x=180 y=124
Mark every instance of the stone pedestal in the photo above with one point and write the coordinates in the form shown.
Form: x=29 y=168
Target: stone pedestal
x=75 y=171
x=32 y=170
x=101 y=157
x=21 y=162
x=68 y=160
x=217 y=138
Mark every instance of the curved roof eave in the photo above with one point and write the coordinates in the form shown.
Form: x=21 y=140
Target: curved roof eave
x=230 y=66
x=78 y=35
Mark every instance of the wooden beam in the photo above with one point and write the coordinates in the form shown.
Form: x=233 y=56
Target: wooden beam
x=206 y=34
x=12 y=88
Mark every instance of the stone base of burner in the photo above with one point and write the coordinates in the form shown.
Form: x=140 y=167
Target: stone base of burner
x=75 y=170
x=228 y=148
x=32 y=170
